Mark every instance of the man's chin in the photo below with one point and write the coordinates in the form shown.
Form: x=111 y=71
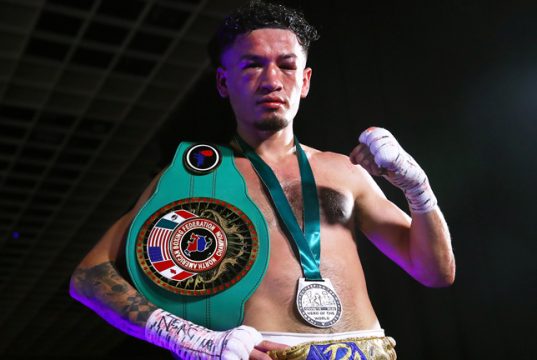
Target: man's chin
x=273 y=123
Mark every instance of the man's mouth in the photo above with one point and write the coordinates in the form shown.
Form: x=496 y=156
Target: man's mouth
x=271 y=102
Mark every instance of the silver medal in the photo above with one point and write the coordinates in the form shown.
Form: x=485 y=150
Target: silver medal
x=318 y=303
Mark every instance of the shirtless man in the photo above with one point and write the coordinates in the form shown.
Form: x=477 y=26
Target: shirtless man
x=262 y=71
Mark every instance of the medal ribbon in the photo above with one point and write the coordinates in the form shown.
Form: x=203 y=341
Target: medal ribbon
x=308 y=241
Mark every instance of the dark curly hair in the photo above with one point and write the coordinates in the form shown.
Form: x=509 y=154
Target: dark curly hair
x=258 y=15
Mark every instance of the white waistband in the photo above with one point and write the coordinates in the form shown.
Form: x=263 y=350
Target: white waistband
x=293 y=339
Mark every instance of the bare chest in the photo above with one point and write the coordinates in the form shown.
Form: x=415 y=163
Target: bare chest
x=335 y=202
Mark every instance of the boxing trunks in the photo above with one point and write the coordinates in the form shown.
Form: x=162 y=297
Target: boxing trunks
x=359 y=345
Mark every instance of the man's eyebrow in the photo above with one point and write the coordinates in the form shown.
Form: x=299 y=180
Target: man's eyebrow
x=250 y=57
x=258 y=58
x=288 y=56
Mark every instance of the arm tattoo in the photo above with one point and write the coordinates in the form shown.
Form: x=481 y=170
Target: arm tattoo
x=102 y=289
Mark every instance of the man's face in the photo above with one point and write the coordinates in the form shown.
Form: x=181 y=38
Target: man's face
x=264 y=75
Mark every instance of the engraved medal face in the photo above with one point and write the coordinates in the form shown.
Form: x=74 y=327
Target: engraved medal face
x=197 y=246
x=318 y=303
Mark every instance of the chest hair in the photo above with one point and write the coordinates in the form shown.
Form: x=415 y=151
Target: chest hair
x=335 y=207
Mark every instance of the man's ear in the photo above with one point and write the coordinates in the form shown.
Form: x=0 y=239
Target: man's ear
x=306 y=78
x=221 y=82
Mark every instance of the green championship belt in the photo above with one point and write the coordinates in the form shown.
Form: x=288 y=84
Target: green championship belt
x=199 y=247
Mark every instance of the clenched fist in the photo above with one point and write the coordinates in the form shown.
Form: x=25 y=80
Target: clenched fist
x=381 y=155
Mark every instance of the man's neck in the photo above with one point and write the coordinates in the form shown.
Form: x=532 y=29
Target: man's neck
x=272 y=146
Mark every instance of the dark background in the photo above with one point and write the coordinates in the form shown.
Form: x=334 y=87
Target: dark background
x=456 y=83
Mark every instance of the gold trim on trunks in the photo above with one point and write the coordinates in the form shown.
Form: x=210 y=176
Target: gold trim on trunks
x=373 y=348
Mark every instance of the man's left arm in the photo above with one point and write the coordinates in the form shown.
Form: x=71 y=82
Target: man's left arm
x=433 y=262
x=420 y=244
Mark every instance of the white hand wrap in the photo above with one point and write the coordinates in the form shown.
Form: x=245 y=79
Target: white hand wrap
x=404 y=171
x=193 y=342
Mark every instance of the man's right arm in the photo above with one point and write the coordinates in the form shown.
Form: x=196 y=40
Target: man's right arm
x=97 y=284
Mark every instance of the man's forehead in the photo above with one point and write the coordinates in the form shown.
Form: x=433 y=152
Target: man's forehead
x=266 y=42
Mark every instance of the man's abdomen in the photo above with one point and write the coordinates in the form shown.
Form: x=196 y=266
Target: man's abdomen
x=272 y=307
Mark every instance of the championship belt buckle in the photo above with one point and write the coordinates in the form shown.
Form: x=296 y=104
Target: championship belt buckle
x=197 y=246
x=318 y=303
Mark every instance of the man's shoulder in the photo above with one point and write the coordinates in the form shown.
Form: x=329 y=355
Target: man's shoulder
x=333 y=161
x=323 y=156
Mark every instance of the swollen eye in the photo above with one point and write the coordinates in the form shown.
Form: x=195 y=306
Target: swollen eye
x=288 y=66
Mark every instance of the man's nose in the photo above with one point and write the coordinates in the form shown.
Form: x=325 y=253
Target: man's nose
x=270 y=78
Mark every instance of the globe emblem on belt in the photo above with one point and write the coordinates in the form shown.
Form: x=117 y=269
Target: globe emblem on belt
x=198 y=245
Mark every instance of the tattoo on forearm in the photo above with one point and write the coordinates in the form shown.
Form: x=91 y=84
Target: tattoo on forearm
x=139 y=308
x=112 y=297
